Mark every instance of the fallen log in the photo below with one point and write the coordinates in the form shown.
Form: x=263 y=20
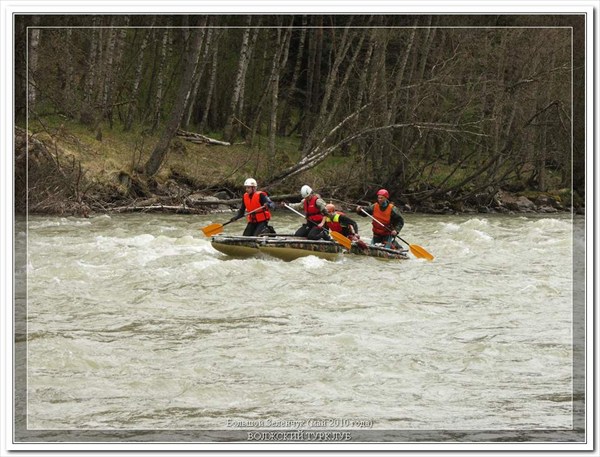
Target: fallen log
x=172 y=209
x=190 y=206
x=198 y=138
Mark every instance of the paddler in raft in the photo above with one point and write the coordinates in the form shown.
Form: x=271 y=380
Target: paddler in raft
x=315 y=210
x=390 y=218
x=339 y=222
x=256 y=205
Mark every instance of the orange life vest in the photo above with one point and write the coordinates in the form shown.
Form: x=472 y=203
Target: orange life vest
x=312 y=212
x=333 y=222
x=251 y=203
x=385 y=217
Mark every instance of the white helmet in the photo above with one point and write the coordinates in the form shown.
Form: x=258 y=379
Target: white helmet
x=250 y=182
x=305 y=191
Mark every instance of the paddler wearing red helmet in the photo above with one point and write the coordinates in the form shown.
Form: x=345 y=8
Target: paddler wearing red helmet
x=384 y=211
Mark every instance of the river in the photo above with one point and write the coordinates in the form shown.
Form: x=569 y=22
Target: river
x=134 y=322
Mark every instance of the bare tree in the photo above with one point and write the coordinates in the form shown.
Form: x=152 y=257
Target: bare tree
x=33 y=59
x=190 y=63
x=207 y=34
x=160 y=80
x=135 y=89
x=293 y=86
x=312 y=93
x=86 y=115
x=279 y=62
x=239 y=80
x=211 y=84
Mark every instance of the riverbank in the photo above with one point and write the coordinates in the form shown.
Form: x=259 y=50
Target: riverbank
x=50 y=179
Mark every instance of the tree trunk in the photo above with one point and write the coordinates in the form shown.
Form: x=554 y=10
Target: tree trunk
x=379 y=90
x=191 y=59
x=312 y=84
x=86 y=114
x=115 y=52
x=159 y=95
x=67 y=87
x=211 y=86
x=330 y=82
x=399 y=77
x=279 y=62
x=135 y=89
x=242 y=103
x=237 y=86
x=292 y=88
x=207 y=40
x=33 y=53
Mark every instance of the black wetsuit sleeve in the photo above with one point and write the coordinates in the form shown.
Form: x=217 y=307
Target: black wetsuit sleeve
x=241 y=211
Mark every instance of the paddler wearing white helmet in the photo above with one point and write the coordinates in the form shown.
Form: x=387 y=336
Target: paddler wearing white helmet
x=255 y=206
x=315 y=209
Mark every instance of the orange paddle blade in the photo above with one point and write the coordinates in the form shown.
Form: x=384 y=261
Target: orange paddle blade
x=420 y=252
x=341 y=239
x=212 y=229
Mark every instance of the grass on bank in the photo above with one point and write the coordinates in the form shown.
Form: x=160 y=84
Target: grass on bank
x=116 y=153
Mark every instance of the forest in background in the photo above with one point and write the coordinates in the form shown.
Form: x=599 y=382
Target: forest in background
x=443 y=111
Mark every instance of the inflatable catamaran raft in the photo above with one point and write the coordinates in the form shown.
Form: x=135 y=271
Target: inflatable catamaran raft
x=289 y=247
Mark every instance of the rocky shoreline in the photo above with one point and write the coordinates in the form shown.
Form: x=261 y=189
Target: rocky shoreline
x=509 y=203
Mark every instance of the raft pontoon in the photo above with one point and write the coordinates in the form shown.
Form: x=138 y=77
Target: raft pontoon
x=289 y=247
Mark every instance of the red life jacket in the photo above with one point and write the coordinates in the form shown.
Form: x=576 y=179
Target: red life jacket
x=385 y=217
x=333 y=222
x=311 y=211
x=251 y=203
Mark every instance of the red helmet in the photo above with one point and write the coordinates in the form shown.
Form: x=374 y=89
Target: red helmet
x=383 y=192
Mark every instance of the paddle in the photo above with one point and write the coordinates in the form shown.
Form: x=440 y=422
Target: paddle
x=417 y=250
x=216 y=228
x=338 y=237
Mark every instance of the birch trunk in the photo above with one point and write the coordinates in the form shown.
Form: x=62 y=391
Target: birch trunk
x=239 y=80
x=211 y=86
x=242 y=105
x=279 y=62
x=331 y=81
x=32 y=62
x=399 y=77
x=86 y=112
x=160 y=150
x=312 y=85
x=67 y=88
x=207 y=40
x=159 y=95
x=291 y=92
x=135 y=89
x=112 y=71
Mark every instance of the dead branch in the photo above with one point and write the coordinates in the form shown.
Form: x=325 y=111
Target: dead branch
x=177 y=209
x=197 y=138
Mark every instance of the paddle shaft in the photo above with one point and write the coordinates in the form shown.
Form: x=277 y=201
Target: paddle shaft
x=302 y=215
x=297 y=212
x=383 y=225
x=338 y=237
x=216 y=228
x=245 y=214
x=417 y=250
x=379 y=222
